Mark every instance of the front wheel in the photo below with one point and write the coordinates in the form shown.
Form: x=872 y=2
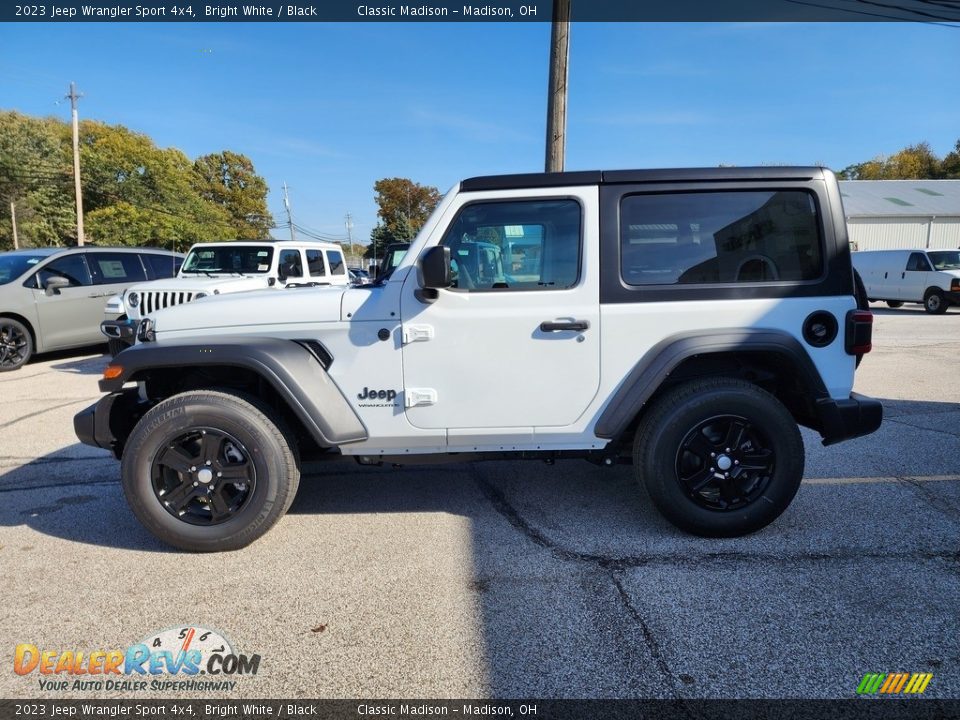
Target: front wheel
x=16 y=344
x=934 y=302
x=719 y=457
x=209 y=471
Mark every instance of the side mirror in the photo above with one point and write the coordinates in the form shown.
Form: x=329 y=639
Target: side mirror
x=435 y=272
x=53 y=284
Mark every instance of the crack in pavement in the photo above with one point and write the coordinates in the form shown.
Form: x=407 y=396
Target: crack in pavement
x=935 y=501
x=49 y=486
x=41 y=412
x=615 y=567
x=925 y=429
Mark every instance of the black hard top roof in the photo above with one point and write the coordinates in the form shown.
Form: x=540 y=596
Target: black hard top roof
x=602 y=177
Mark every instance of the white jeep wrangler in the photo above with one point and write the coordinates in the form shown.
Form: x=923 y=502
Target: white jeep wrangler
x=684 y=321
x=218 y=268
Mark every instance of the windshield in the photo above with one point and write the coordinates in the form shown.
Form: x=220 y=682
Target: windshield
x=249 y=259
x=394 y=254
x=13 y=266
x=945 y=259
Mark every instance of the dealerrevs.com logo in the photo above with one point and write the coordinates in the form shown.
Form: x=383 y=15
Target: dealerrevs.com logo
x=182 y=658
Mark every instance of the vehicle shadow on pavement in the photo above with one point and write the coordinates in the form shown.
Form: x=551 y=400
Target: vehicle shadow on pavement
x=82 y=366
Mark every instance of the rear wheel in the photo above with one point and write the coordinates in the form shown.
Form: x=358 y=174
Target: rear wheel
x=720 y=457
x=894 y=303
x=934 y=302
x=209 y=471
x=16 y=344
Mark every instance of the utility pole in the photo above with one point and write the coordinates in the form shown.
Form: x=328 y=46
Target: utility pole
x=557 y=91
x=13 y=218
x=349 y=224
x=286 y=204
x=76 y=160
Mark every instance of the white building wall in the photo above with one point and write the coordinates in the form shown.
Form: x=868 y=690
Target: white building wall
x=945 y=233
x=888 y=233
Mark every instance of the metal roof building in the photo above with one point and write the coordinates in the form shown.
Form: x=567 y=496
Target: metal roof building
x=893 y=214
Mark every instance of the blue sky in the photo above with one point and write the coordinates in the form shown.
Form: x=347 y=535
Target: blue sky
x=332 y=107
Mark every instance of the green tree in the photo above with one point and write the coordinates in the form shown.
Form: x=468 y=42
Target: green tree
x=915 y=162
x=950 y=166
x=382 y=235
x=401 y=201
x=228 y=180
x=35 y=175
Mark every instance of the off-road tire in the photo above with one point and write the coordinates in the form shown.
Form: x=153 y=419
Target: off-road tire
x=659 y=451
x=894 y=304
x=270 y=452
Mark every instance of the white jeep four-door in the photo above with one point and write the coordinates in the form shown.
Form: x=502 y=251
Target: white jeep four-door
x=684 y=321
x=219 y=268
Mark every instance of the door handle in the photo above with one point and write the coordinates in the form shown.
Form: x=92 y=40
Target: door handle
x=555 y=325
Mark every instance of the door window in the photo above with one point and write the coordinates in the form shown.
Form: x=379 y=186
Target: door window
x=315 y=263
x=336 y=263
x=291 y=264
x=918 y=262
x=162 y=266
x=116 y=268
x=72 y=267
x=516 y=245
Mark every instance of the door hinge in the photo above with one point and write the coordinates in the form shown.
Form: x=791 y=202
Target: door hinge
x=417 y=333
x=413 y=397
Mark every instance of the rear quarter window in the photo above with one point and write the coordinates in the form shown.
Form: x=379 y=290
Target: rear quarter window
x=748 y=236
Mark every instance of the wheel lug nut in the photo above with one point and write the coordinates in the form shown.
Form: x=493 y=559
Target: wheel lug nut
x=736 y=462
x=195 y=483
x=219 y=474
x=209 y=462
x=713 y=454
x=727 y=450
x=193 y=468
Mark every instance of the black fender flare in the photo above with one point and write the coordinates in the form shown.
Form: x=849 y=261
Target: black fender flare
x=657 y=364
x=296 y=373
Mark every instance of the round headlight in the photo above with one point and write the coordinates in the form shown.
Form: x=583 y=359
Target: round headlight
x=133 y=299
x=199 y=295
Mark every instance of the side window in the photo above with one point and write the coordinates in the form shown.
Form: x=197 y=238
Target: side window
x=112 y=268
x=336 y=263
x=315 y=263
x=291 y=264
x=720 y=237
x=918 y=262
x=161 y=266
x=72 y=267
x=516 y=245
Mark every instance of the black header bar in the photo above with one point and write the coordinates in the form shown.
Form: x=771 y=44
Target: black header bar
x=941 y=12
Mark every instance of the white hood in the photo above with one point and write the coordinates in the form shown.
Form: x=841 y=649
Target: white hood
x=202 y=283
x=250 y=312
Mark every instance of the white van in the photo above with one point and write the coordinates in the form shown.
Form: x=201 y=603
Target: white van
x=931 y=277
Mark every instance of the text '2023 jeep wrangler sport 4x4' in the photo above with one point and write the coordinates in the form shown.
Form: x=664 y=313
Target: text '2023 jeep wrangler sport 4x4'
x=684 y=320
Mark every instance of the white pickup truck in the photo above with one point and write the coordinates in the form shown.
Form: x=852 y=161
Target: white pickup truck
x=218 y=268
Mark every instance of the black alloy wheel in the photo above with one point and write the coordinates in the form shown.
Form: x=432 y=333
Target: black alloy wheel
x=16 y=344
x=203 y=476
x=725 y=463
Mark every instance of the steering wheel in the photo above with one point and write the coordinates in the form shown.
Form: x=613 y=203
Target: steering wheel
x=767 y=267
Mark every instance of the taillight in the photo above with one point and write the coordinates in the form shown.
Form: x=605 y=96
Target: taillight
x=859 y=332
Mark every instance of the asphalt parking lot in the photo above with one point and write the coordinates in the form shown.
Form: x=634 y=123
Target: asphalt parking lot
x=512 y=579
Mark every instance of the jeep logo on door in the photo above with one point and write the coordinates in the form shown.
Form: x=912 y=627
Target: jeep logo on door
x=377 y=398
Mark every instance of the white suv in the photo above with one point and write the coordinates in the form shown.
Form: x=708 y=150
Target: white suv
x=684 y=321
x=219 y=268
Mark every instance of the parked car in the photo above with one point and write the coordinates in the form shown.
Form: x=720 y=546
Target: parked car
x=219 y=268
x=931 y=277
x=52 y=298
x=359 y=276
